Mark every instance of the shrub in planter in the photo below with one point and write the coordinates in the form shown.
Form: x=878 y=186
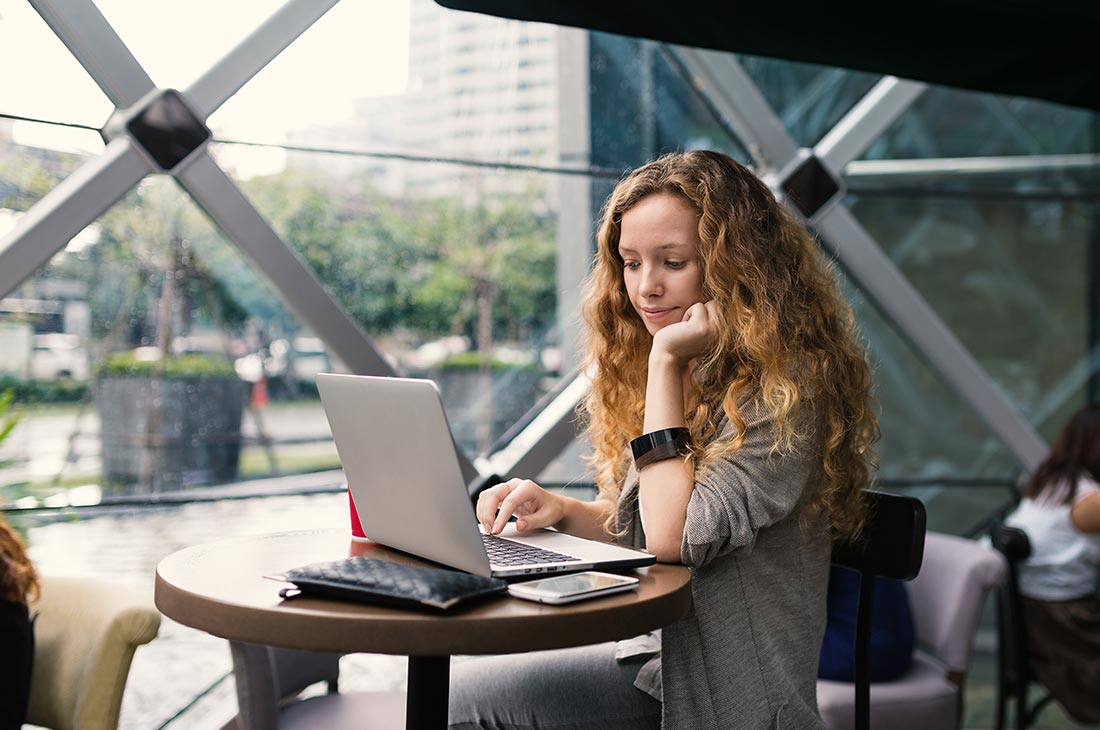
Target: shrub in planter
x=171 y=423
x=62 y=390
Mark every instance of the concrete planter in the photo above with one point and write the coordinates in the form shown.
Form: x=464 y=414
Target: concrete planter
x=162 y=434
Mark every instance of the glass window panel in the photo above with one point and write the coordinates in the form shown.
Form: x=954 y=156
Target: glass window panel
x=568 y=467
x=459 y=288
x=403 y=243
x=57 y=89
x=927 y=431
x=453 y=231
x=354 y=51
x=642 y=106
x=479 y=87
x=945 y=122
x=809 y=99
x=1009 y=277
x=157 y=277
x=29 y=169
x=425 y=256
x=176 y=44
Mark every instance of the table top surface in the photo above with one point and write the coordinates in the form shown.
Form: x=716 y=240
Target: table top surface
x=219 y=587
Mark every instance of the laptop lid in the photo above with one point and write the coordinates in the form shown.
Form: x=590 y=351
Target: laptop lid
x=403 y=472
x=397 y=453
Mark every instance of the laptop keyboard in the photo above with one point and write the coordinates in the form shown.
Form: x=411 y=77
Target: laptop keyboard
x=508 y=552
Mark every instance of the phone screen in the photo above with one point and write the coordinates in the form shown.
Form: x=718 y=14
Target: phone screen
x=567 y=585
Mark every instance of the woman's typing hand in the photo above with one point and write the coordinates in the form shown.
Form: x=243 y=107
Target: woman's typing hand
x=533 y=506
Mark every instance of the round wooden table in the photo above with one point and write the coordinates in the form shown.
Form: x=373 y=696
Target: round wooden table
x=219 y=587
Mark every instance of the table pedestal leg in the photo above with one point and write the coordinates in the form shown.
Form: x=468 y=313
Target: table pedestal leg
x=426 y=703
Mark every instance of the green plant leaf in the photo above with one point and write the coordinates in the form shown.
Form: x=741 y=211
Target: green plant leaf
x=6 y=399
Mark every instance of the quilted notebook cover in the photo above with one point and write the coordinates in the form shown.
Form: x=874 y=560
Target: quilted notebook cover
x=369 y=580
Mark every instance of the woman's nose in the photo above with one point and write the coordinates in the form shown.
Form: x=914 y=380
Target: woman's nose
x=650 y=284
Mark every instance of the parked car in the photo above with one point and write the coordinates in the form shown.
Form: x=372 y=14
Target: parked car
x=301 y=358
x=59 y=355
x=287 y=365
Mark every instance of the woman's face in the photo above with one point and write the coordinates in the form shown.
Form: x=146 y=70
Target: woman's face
x=659 y=245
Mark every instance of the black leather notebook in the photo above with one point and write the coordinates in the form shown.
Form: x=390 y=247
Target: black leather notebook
x=369 y=580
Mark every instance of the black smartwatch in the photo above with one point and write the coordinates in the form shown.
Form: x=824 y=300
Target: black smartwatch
x=660 y=445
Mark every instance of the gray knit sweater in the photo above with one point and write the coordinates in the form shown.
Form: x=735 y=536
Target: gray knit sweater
x=746 y=654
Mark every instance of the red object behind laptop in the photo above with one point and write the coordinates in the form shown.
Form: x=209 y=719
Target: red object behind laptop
x=356 y=528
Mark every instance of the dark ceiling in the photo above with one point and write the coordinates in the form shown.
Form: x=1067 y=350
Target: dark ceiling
x=1039 y=50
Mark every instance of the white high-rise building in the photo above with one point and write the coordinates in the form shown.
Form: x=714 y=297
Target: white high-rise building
x=480 y=88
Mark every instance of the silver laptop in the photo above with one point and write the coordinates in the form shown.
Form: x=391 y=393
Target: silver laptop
x=401 y=466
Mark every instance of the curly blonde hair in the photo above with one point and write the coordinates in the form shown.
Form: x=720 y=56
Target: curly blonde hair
x=785 y=337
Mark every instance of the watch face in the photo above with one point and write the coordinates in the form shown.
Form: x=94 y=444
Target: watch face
x=168 y=130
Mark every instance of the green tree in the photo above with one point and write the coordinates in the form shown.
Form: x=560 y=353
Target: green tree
x=151 y=275
x=429 y=265
x=28 y=173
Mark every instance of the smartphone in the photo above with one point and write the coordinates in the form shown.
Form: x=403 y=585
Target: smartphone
x=574 y=587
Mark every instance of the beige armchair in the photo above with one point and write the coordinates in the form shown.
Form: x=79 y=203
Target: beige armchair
x=85 y=635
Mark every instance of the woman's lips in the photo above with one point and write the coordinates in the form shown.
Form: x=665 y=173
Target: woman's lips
x=656 y=312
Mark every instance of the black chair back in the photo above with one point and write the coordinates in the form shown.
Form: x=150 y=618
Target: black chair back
x=1012 y=639
x=891 y=546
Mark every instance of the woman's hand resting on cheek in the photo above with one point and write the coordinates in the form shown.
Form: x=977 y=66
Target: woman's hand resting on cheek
x=690 y=337
x=533 y=506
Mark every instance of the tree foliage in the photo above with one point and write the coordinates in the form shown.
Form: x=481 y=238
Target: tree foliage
x=415 y=264
x=431 y=267
x=155 y=233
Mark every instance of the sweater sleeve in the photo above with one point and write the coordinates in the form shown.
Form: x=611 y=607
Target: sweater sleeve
x=739 y=494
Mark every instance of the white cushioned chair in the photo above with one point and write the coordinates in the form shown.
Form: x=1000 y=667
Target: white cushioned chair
x=947 y=597
x=85 y=633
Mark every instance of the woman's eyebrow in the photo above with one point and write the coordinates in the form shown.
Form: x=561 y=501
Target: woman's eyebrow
x=662 y=247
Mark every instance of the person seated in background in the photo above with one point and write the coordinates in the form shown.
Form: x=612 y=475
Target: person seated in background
x=18 y=586
x=1060 y=513
x=892 y=632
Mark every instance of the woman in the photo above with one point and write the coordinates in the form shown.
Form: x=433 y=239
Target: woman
x=1060 y=513
x=716 y=333
x=18 y=586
